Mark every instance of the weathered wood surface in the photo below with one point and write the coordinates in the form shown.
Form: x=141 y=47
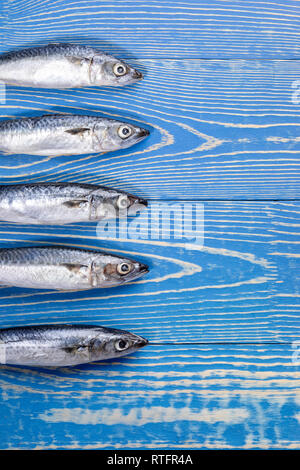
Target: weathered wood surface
x=222 y=367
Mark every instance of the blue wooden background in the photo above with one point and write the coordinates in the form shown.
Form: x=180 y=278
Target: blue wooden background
x=221 y=98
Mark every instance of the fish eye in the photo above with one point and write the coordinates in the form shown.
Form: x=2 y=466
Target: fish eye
x=123 y=268
x=121 y=344
x=124 y=132
x=119 y=69
x=123 y=202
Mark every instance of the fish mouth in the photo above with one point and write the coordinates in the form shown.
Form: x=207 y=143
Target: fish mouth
x=137 y=75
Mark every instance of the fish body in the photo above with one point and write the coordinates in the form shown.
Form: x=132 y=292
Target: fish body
x=64 y=203
x=65 y=66
x=65 y=345
x=57 y=134
x=64 y=268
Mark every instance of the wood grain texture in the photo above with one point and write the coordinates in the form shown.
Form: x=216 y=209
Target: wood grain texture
x=221 y=98
x=219 y=130
x=195 y=396
x=168 y=29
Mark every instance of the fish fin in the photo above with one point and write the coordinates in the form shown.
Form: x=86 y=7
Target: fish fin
x=75 y=203
x=78 y=130
x=74 y=268
x=79 y=349
x=78 y=60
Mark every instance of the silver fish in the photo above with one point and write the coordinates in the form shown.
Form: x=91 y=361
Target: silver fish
x=65 y=345
x=57 y=134
x=65 y=66
x=64 y=268
x=64 y=203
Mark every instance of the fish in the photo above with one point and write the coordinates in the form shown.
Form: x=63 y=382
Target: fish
x=57 y=134
x=65 y=345
x=64 y=65
x=65 y=268
x=65 y=203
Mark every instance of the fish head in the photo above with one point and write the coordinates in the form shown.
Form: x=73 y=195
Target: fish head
x=109 y=204
x=116 y=271
x=112 y=343
x=109 y=71
x=116 y=135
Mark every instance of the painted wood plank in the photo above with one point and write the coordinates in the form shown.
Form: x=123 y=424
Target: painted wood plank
x=242 y=285
x=173 y=29
x=219 y=130
x=164 y=397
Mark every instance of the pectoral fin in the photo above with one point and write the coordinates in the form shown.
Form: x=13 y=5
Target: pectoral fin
x=79 y=60
x=75 y=268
